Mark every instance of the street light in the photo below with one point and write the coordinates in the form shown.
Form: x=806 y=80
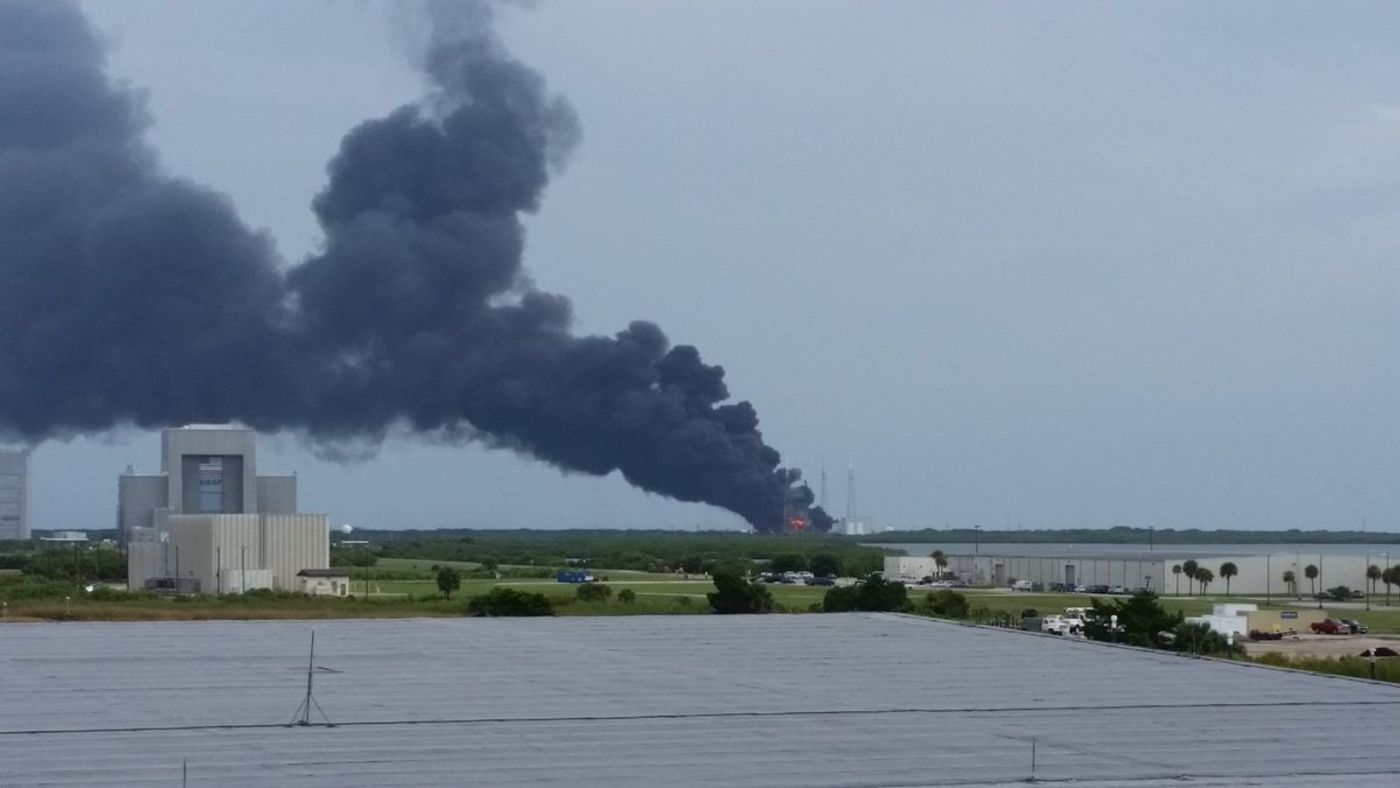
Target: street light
x=365 y=544
x=976 y=539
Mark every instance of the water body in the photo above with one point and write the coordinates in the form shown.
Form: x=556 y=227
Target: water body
x=1141 y=551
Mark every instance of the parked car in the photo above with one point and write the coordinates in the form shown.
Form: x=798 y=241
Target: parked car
x=1059 y=588
x=1021 y=585
x=1331 y=626
x=1356 y=627
x=825 y=580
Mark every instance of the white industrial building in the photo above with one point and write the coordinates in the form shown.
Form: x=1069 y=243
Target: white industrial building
x=324 y=582
x=1257 y=575
x=208 y=522
x=767 y=701
x=14 y=494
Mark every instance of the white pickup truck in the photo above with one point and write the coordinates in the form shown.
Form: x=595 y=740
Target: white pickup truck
x=1070 y=624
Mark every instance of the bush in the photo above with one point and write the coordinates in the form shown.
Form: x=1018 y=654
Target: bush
x=1201 y=639
x=841 y=599
x=594 y=592
x=790 y=562
x=1356 y=667
x=15 y=587
x=1141 y=621
x=871 y=594
x=735 y=595
x=946 y=603
x=509 y=602
x=109 y=594
x=825 y=565
x=1340 y=593
x=627 y=596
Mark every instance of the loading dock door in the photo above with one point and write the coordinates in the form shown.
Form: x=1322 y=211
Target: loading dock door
x=1069 y=575
x=999 y=573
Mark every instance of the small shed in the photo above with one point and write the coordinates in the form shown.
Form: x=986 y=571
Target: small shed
x=324 y=582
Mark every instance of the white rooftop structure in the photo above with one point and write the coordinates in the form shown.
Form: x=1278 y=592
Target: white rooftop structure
x=681 y=700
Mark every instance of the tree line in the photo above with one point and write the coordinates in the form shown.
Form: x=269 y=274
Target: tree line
x=1199 y=578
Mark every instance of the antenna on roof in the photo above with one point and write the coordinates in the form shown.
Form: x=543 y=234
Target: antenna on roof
x=303 y=713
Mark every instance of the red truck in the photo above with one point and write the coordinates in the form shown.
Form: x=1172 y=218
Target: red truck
x=1331 y=626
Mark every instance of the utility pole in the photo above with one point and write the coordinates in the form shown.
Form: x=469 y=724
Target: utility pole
x=303 y=712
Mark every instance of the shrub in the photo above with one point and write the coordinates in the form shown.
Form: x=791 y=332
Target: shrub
x=733 y=594
x=594 y=592
x=14 y=587
x=946 y=603
x=1201 y=639
x=825 y=565
x=627 y=596
x=1340 y=593
x=509 y=602
x=789 y=562
x=841 y=599
x=873 y=593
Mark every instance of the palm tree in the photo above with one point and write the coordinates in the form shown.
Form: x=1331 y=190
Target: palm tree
x=1290 y=580
x=1204 y=576
x=1373 y=573
x=939 y=560
x=1389 y=578
x=1176 y=570
x=1227 y=571
x=1189 y=569
x=1310 y=572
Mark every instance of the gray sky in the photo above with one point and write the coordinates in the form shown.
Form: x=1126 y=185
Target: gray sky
x=1086 y=264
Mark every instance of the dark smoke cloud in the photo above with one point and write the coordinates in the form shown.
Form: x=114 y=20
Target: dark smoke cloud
x=131 y=297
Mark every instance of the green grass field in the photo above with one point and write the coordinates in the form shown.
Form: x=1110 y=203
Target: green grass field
x=407 y=587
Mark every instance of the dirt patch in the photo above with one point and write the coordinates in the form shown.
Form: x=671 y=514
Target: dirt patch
x=1311 y=645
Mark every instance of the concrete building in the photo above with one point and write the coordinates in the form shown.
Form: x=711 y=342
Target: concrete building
x=1256 y=575
x=211 y=521
x=767 y=701
x=324 y=582
x=14 y=494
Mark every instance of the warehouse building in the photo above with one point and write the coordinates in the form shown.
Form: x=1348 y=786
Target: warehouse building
x=209 y=523
x=14 y=494
x=1257 y=575
x=645 y=700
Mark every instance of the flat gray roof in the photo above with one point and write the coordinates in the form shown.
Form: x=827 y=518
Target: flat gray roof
x=809 y=700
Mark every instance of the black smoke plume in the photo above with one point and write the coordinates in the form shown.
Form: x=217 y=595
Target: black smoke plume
x=128 y=296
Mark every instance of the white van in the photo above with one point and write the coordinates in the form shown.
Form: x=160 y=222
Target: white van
x=1021 y=585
